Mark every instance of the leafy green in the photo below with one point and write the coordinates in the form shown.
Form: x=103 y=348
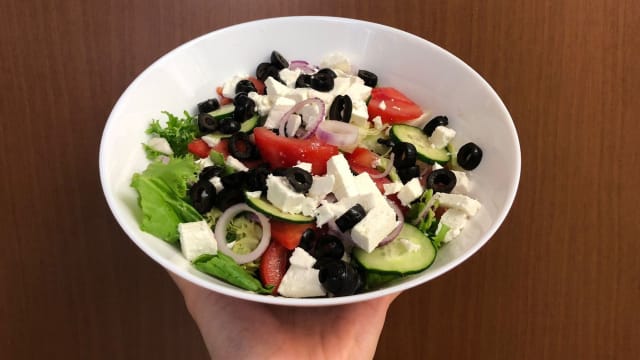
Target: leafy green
x=162 y=192
x=152 y=153
x=438 y=239
x=225 y=268
x=178 y=131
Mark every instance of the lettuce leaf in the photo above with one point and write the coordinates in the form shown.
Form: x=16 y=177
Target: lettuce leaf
x=162 y=190
x=225 y=268
x=178 y=132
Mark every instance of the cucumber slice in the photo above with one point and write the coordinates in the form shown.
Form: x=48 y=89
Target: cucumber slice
x=414 y=135
x=224 y=111
x=247 y=126
x=409 y=253
x=271 y=211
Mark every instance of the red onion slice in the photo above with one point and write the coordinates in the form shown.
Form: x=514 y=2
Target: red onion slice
x=303 y=66
x=221 y=232
x=310 y=125
x=387 y=170
x=396 y=231
x=337 y=133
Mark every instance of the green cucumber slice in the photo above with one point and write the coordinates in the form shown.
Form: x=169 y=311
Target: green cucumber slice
x=410 y=252
x=265 y=207
x=247 y=126
x=415 y=136
x=224 y=111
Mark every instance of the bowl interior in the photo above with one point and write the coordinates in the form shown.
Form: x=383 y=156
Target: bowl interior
x=431 y=76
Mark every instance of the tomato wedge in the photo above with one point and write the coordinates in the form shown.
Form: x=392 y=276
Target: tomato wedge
x=362 y=157
x=273 y=265
x=288 y=234
x=280 y=151
x=199 y=148
x=397 y=108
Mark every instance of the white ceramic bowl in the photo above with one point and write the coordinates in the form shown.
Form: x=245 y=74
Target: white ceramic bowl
x=431 y=76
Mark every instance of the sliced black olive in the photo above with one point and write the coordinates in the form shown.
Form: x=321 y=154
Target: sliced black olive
x=240 y=147
x=303 y=81
x=439 y=120
x=341 y=108
x=229 y=196
x=441 y=180
x=210 y=171
x=264 y=70
x=279 y=171
x=278 y=60
x=370 y=79
x=208 y=105
x=329 y=246
x=308 y=241
x=326 y=72
x=203 y=195
x=207 y=123
x=339 y=278
x=256 y=179
x=469 y=156
x=245 y=86
x=245 y=107
x=351 y=217
x=234 y=180
x=323 y=80
x=404 y=155
x=408 y=173
x=229 y=125
x=299 y=179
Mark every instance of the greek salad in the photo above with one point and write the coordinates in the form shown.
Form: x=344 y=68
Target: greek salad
x=306 y=181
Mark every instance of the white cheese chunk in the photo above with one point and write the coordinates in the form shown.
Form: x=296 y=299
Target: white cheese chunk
x=359 y=114
x=282 y=196
x=263 y=104
x=299 y=257
x=217 y=183
x=458 y=201
x=410 y=191
x=160 y=145
x=321 y=186
x=441 y=136
x=370 y=195
x=304 y=166
x=298 y=95
x=392 y=188
x=436 y=166
x=254 y=194
x=293 y=124
x=204 y=162
x=196 y=238
x=327 y=97
x=336 y=61
x=211 y=140
x=235 y=163
x=308 y=206
x=359 y=92
x=229 y=87
x=455 y=219
x=344 y=185
x=377 y=123
x=463 y=185
x=375 y=226
x=341 y=84
x=279 y=107
x=301 y=279
x=276 y=89
x=289 y=76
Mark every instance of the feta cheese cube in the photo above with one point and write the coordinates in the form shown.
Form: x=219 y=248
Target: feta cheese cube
x=410 y=191
x=463 y=185
x=293 y=124
x=211 y=140
x=359 y=92
x=301 y=258
x=282 y=196
x=235 y=164
x=280 y=107
x=308 y=206
x=374 y=227
x=254 y=194
x=321 y=186
x=377 y=123
x=299 y=94
x=263 y=104
x=441 y=136
x=341 y=84
x=458 y=201
x=304 y=166
x=455 y=219
x=289 y=76
x=327 y=97
x=392 y=188
x=217 y=183
x=336 y=61
x=344 y=185
x=160 y=145
x=196 y=238
x=229 y=87
x=301 y=282
x=370 y=195
x=276 y=89
x=359 y=114
x=204 y=162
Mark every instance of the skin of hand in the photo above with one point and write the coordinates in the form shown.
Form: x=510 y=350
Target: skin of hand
x=237 y=329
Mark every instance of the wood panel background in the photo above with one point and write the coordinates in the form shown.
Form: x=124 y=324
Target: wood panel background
x=560 y=279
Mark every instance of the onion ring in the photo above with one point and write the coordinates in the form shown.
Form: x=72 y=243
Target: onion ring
x=221 y=232
x=310 y=125
x=303 y=66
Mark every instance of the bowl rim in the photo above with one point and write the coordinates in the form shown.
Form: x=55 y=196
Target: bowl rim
x=279 y=300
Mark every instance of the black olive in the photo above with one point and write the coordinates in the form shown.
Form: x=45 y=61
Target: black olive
x=299 y=179
x=329 y=246
x=404 y=155
x=370 y=79
x=210 y=171
x=469 y=156
x=229 y=125
x=339 y=278
x=351 y=217
x=245 y=107
x=229 y=196
x=408 y=173
x=256 y=179
x=326 y=72
x=245 y=86
x=208 y=105
x=323 y=80
x=278 y=60
x=385 y=142
x=234 y=180
x=240 y=147
x=264 y=70
x=203 y=195
x=303 y=81
x=207 y=123
x=439 y=120
x=341 y=108
x=308 y=241
x=441 y=180
x=279 y=171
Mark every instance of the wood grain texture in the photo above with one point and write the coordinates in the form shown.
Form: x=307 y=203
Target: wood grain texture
x=559 y=280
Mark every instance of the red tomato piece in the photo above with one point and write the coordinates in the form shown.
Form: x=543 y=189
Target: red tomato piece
x=288 y=234
x=223 y=100
x=273 y=265
x=280 y=151
x=222 y=147
x=398 y=108
x=199 y=148
x=259 y=85
x=362 y=157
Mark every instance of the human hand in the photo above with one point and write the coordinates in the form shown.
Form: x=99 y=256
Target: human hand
x=239 y=329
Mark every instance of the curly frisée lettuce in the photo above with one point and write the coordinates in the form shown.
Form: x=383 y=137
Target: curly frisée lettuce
x=178 y=131
x=161 y=196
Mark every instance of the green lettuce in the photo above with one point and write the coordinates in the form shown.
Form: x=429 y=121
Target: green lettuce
x=225 y=268
x=162 y=190
x=178 y=131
